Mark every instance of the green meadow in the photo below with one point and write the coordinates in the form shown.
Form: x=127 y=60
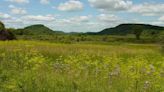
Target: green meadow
x=38 y=66
x=81 y=45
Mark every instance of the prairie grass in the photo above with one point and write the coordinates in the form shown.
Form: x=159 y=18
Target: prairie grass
x=33 y=66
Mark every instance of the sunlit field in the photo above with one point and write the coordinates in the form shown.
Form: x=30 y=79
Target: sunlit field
x=30 y=66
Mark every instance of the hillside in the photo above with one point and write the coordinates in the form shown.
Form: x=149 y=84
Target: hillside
x=38 y=29
x=125 y=29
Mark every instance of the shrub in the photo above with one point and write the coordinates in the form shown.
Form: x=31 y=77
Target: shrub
x=10 y=35
x=6 y=34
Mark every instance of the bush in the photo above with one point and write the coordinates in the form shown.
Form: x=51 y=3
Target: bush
x=6 y=34
x=10 y=35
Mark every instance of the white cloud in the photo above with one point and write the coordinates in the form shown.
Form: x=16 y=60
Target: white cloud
x=159 y=23
x=77 y=20
x=44 y=1
x=39 y=18
x=148 y=9
x=81 y=18
x=19 y=1
x=4 y=16
x=16 y=10
x=86 y=23
x=145 y=9
x=161 y=19
x=108 y=18
x=71 y=5
x=111 y=5
x=10 y=21
x=14 y=21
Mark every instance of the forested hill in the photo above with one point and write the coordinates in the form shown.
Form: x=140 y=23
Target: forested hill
x=38 y=29
x=125 y=29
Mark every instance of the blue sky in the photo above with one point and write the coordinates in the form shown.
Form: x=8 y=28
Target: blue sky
x=80 y=15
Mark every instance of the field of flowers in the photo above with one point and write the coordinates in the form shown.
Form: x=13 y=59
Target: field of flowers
x=30 y=66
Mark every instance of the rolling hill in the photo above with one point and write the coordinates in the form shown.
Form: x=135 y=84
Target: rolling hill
x=38 y=29
x=124 y=29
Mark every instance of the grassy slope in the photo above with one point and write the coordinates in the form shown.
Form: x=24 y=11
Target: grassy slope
x=30 y=66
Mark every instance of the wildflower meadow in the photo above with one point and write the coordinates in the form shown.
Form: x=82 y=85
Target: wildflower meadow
x=30 y=66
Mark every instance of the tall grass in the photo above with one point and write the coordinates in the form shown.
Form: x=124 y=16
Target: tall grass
x=30 y=66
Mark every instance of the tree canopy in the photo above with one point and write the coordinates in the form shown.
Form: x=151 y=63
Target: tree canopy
x=5 y=34
x=2 y=26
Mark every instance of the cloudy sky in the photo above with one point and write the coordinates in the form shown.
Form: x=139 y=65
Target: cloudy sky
x=80 y=15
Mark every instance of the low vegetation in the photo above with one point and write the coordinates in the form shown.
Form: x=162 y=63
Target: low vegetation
x=30 y=66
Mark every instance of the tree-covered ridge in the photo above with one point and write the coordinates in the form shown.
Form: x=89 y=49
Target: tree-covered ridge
x=37 y=29
x=142 y=33
x=125 y=29
x=122 y=29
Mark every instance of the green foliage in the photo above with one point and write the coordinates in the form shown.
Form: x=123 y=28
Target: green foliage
x=137 y=31
x=2 y=26
x=6 y=34
x=30 y=66
x=101 y=39
x=10 y=35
